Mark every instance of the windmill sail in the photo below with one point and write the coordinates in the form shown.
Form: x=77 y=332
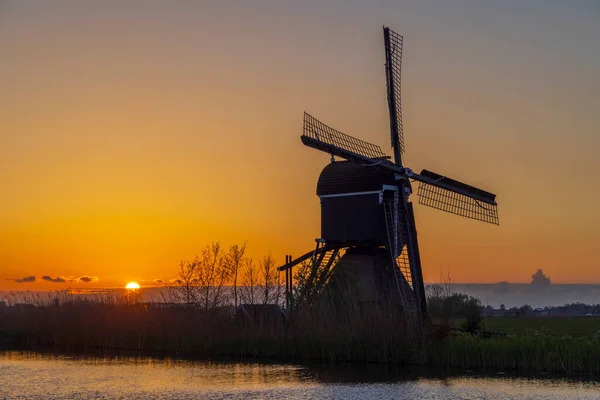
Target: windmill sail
x=322 y=137
x=393 y=70
x=455 y=197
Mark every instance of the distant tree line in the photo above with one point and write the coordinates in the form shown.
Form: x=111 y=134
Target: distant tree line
x=219 y=277
x=567 y=309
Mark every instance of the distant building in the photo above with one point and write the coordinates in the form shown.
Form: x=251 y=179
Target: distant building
x=539 y=279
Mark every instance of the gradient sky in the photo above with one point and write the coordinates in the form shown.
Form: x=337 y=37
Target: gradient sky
x=134 y=133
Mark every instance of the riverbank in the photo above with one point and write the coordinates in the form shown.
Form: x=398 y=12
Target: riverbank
x=365 y=338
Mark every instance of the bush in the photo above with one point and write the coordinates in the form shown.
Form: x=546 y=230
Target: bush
x=455 y=305
x=474 y=318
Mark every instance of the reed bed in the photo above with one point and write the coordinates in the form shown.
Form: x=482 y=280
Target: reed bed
x=326 y=332
x=537 y=353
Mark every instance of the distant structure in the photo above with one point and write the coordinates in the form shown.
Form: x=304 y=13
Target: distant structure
x=539 y=279
x=366 y=214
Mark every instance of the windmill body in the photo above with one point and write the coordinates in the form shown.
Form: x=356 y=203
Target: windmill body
x=366 y=211
x=352 y=198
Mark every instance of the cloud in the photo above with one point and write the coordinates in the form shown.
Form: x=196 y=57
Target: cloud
x=87 y=279
x=158 y=280
x=58 y=279
x=27 y=279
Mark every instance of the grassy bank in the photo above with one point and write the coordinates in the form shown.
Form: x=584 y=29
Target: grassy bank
x=552 y=326
x=557 y=326
x=358 y=336
x=541 y=353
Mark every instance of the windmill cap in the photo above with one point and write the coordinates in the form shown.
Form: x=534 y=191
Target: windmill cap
x=348 y=177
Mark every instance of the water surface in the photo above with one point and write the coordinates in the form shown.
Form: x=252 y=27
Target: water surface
x=30 y=375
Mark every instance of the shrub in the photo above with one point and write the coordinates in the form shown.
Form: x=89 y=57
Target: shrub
x=473 y=316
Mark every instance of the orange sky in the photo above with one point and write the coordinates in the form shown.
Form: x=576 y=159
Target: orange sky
x=133 y=134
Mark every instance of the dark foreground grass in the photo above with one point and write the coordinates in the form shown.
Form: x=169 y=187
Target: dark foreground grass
x=584 y=327
x=541 y=353
x=356 y=336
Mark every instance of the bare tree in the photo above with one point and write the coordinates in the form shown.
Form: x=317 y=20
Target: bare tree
x=202 y=280
x=235 y=259
x=250 y=282
x=434 y=291
x=213 y=274
x=270 y=280
x=184 y=289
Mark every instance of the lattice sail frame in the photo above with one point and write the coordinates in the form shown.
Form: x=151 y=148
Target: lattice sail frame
x=393 y=57
x=327 y=137
x=457 y=203
x=397 y=236
x=403 y=263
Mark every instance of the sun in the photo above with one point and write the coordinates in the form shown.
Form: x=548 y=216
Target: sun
x=132 y=285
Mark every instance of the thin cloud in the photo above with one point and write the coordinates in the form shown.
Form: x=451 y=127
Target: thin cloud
x=58 y=279
x=27 y=279
x=87 y=279
x=158 y=280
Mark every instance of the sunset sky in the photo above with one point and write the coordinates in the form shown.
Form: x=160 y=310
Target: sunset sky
x=134 y=133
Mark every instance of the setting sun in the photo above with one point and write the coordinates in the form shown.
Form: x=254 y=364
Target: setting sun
x=132 y=285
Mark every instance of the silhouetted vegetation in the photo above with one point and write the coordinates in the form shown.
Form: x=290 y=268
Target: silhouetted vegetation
x=446 y=307
x=567 y=310
x=361 y=334
x=201 y=281
x=579 y=327
x=356 y=335
x=217 y=278
x=200 y=318
x=526 y=353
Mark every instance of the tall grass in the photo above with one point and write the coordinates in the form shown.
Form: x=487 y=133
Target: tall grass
x=521 y=353
x=322 y=331
x=326 y=330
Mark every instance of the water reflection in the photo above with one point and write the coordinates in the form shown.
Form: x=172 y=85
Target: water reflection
x=38 y=375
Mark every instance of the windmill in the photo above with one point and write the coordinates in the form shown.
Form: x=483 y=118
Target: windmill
x=366 y=212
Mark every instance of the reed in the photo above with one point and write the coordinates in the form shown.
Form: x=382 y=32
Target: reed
x=327 y=331
x=525 y=353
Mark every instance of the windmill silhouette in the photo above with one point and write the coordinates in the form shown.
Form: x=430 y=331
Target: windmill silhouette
x=366 y=212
